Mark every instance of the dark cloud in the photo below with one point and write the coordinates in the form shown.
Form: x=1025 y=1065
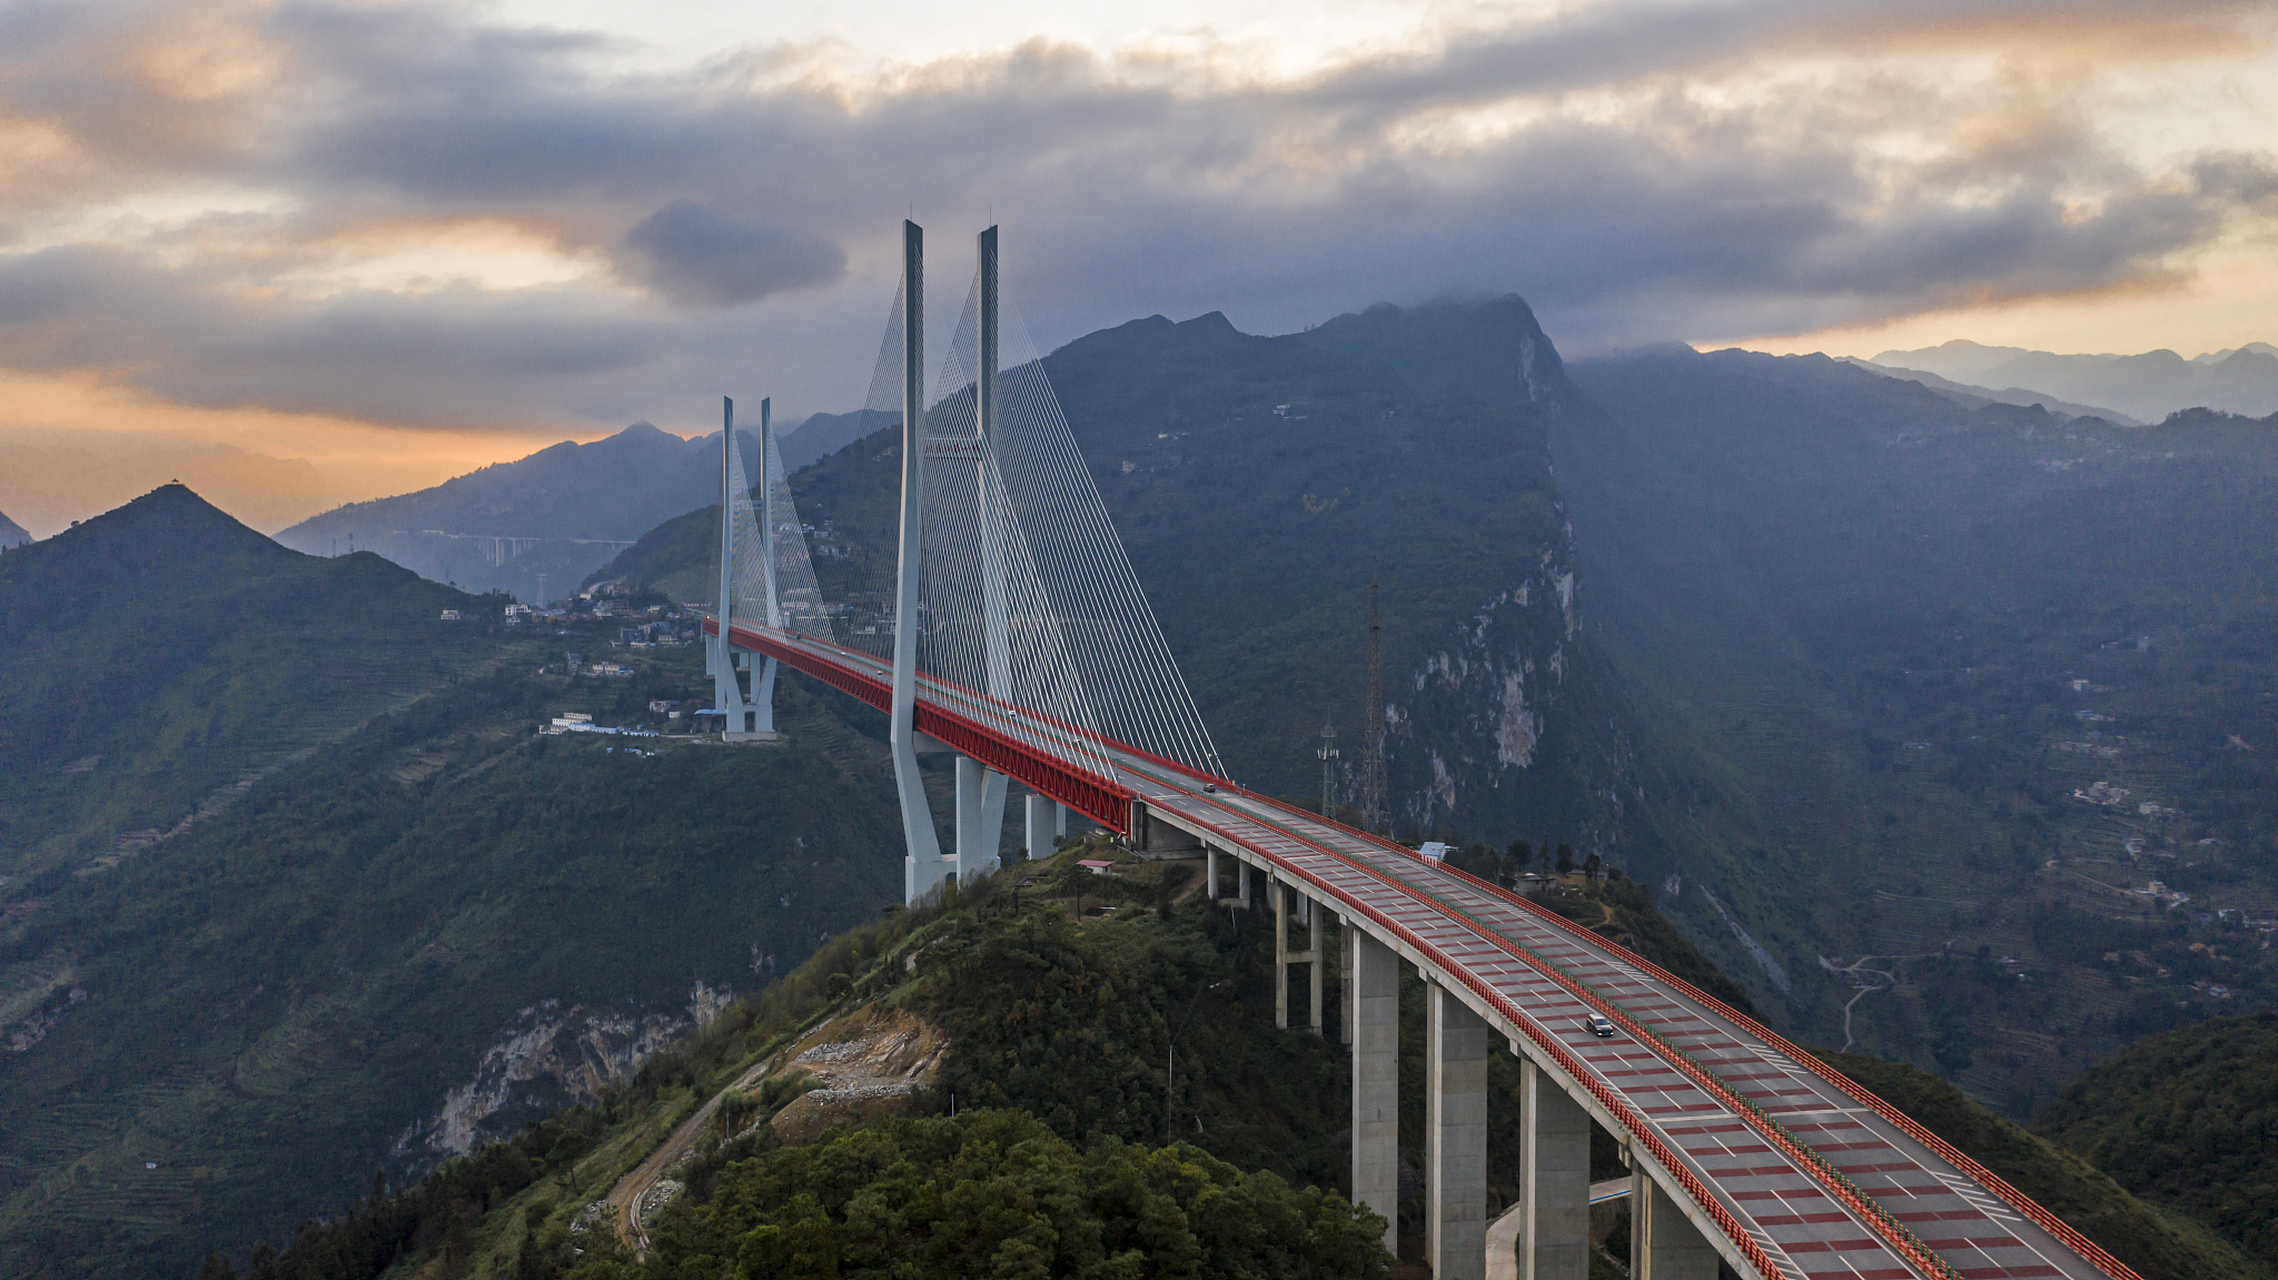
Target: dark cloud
x=754 y=208
x=692 y=255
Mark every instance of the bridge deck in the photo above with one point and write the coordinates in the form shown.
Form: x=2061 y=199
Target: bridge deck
x=1799 y=1171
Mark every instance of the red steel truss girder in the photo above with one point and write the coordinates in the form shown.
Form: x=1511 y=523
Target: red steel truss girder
x=1096 y=798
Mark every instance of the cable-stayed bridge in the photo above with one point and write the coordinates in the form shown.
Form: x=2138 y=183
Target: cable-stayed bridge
x=1013 y=634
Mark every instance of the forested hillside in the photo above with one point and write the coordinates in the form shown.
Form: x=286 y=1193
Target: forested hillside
x=2185 y=1120
x=1053 y=1061
x=383 y=944
x=1961 y=684
x=156 y=656
x=1997 y=672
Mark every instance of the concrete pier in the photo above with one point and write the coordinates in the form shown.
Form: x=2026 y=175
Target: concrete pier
x=1040 y=825
x=1663 y=1243
x=1376 y=1081
x=1554 y=1230
x=1455 y=1138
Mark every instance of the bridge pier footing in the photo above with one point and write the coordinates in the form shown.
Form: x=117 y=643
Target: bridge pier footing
x=1039 y=825
x=1663 y=1242
x=1554 y=1226
x=1455 y=1138
x=1210 y=871
x=1376 y=1081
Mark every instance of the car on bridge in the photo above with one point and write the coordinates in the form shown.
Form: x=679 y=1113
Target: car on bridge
x=1600 y=1025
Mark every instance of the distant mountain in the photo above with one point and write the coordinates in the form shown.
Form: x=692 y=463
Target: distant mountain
x=1258 y=483
x=12 y=534
x=292 y=890
x=1950 y=657
x=1495 y=349
x=555 y=516
x=2148 y=386
x=48 y=479
x=156 y=654
x=1851 y=611
x=1969 y=397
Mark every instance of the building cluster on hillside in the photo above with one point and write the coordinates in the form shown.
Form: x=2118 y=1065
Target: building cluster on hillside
x=582 y=722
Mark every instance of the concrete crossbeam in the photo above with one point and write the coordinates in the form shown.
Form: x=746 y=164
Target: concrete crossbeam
x=1376 y=1081
x=1455 y=1138
x=1554 y=1231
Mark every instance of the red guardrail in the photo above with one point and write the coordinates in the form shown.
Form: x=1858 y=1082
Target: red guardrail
x=1103 y=801
x=1994 y=1182
x=1894 y=1232
x=1615 y=1105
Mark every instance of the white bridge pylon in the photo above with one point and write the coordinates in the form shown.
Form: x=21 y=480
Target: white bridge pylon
x=1010 y=584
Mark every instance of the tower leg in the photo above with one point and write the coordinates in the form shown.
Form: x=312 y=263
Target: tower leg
x=763 y=699
x=1554 y=1231
x=980 y=818
x=1039 y=825
x=1376 y=1082
x=924 y=868
x=1455 y=1134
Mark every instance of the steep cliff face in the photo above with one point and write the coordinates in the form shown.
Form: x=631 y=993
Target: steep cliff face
x=548 y=1056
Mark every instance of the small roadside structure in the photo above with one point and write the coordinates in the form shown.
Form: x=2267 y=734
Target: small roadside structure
x=1097 y=866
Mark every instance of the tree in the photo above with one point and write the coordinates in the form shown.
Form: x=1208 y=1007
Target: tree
x=1565 y=858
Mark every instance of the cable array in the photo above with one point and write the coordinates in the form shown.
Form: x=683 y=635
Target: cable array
x=1027 y=601
x=799 y=601
x=1123 y=661
x=990 y=629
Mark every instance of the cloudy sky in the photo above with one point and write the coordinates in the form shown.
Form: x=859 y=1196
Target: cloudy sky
x=337 y=249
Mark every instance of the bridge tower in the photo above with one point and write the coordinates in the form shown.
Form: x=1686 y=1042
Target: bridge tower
x=923 y=867
x=754 y=719
x=980 y=789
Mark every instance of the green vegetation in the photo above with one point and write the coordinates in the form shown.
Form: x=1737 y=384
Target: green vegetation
x=2159 y=1246
x=2185 y=1120
x=998 y=1193
x=1068 y=1023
